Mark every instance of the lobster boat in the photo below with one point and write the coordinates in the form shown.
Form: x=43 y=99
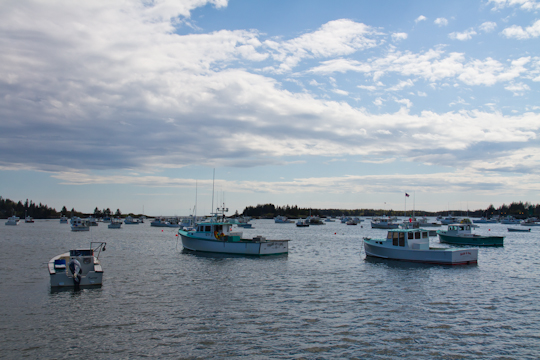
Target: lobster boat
x=216 y=236
x=413 y=245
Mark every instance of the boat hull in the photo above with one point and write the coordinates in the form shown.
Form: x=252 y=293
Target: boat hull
x=80 y=228
x=475 y=240
x=518 y=230
x=384 y=226
x=432 y=256
x=270 y=247
x=62 y=279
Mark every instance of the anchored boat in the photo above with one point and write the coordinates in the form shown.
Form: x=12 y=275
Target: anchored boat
x=115 y=223
x=80 y=267
x=78 y=224
x=413 y=245
x=13 y=220
x=460 y=234
x=215 y=236
x=518 y=230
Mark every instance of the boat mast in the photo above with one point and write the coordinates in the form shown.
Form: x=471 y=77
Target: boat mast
x=195 y=210
x=413 y=203
x=213 y=182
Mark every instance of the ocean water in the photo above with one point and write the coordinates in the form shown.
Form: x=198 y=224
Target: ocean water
x=323 y=300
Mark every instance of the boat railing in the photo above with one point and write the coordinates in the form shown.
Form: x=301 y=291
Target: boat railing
x=99 y=248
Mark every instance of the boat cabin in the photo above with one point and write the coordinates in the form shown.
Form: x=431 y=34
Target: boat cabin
x=215 y=231
x=417 y=239
x=458 y=229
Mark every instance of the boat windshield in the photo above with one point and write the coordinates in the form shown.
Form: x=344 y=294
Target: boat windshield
x=81 y=252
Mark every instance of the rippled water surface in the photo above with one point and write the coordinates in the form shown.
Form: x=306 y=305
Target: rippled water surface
x=323 y=300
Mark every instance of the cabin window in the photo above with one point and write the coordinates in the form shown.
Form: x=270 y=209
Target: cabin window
x=395 y=239
x=401 y=239
x=410 y=235
x=208 y=228
x=389 y=236
x=425 y=235
x=417 y=235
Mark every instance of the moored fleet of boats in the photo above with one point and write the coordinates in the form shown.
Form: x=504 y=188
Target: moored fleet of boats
x=408 y=240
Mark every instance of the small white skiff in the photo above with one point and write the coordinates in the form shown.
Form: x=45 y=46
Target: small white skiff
x=76 y=268
x=413 y=245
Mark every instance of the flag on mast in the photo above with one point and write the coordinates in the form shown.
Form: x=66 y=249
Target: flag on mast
x=407 y=195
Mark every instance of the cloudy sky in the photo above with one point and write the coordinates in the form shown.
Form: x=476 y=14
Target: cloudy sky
x=328 y=104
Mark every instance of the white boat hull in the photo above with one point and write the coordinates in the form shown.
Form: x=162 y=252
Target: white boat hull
x=270 y=247
x=432 y=256
x=62 y=279
x=80 y=228
x=375 y=225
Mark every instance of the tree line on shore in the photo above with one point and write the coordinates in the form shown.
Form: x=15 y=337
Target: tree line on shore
x=9 y=208
x=519 y=210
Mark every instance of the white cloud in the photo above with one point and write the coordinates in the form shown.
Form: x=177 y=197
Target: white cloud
x=401 y=85
x=431 y=66
x=340 y=65
x=488 y=26
x=399 y=36
x=527 y=5
x=340 y=92
x=378 y=101
x=367 y=87
x=420 y=18
x=518 y=88
x=462 y=36
x=518 y=32
x=459 y=101
x=405 y=102
x=421 y=93
x=335 y=38
x=441 y=21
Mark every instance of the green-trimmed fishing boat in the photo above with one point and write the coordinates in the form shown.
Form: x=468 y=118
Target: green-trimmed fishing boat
x=460 y=234
x=216 y=236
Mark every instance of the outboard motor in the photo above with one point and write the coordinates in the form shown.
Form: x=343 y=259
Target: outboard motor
x=76 y=269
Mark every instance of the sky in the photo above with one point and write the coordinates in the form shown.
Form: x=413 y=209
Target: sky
x=133 y=105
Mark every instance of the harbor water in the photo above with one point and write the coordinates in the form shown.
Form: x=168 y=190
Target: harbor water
x=323 y=300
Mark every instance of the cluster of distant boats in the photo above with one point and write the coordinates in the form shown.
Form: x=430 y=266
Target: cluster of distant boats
x=392 y=222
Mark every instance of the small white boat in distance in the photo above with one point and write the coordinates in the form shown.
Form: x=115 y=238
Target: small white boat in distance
x=302 y=223
x=63 y=220
x=76 y=268
x=384 y=223
x=413 y=245
x=13 y=220
x=131 y=221
x=161 y=222
x=115 y=223
x=510 y=220
x=92 y=221
x=28 y=219
x=78 y=224
x=449 y=220
x=530 y=222
x=282 y=220
x=484 y=220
